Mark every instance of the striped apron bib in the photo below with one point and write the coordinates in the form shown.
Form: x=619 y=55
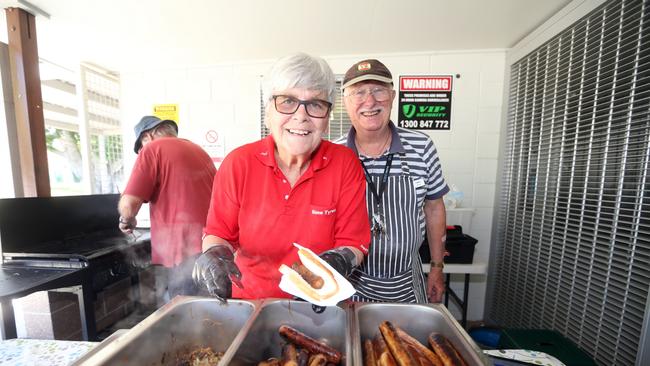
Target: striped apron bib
x=392 y=270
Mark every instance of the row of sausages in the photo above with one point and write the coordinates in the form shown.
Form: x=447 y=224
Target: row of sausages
x=302 y=350
x=393 y=346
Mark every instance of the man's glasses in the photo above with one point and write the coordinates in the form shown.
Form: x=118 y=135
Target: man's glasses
x=361 y=95
x=289 y=105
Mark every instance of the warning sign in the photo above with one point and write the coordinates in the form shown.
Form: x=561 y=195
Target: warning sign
x=425 y=102
x=166 y=111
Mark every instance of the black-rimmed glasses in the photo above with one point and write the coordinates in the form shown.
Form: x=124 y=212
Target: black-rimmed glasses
x=316 y=108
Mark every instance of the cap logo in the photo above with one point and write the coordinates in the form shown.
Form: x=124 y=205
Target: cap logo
x=364 y=66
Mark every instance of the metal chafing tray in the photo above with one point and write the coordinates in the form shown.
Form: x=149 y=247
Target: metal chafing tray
x=247 y=331
x=418 y=320
x=263 y=341
x=180 y=326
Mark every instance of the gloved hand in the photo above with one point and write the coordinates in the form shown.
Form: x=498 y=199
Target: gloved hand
x=215 y=269
x=342 y=260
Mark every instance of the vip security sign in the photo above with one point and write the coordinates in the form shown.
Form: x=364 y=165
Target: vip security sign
x=425 y=102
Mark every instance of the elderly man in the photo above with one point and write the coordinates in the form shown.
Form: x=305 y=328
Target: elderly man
x=175 y=176
x=404 y=193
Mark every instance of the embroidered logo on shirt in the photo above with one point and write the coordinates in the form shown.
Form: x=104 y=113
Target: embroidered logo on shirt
x=323 y=212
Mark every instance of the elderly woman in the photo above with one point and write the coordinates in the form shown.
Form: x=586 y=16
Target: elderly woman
x=291 y=187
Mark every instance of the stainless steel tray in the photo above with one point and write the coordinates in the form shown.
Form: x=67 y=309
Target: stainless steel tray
x=247 y=331
x=263 y=341
x=180 y=326
x=418 y=320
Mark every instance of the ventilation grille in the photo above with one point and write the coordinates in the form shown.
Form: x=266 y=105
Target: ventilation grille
x=573 y=240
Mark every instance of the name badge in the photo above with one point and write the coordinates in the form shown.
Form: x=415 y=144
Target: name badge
x=418 y=183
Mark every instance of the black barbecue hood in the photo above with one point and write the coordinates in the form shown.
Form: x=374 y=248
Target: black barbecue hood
x=27 y=224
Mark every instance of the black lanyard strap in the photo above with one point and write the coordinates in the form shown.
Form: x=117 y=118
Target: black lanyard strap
x=384 y=178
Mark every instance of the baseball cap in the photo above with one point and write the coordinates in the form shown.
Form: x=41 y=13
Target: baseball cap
x=370 y=69
x=145 y=124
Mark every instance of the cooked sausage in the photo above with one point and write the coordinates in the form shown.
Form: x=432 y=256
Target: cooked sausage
x=309 y=276
x=382 y=354
x=369 y=358
x=318 y=359
x=445 y=350
x=270 y=362
x=311 y=345
x=395 y=345
x=289 y=355
x=422 y=350
x=303 y=357
x=420 y=359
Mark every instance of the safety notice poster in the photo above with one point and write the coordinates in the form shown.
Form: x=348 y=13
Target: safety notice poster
x=425 y=102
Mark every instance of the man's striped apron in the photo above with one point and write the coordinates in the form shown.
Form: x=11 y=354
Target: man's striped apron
x=392 y=270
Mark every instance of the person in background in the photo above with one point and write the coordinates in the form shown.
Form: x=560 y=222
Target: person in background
x=290 y=187
x=404 y=194
x=175 y=176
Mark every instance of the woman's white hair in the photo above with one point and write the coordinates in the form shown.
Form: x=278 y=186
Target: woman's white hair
x=300 y=70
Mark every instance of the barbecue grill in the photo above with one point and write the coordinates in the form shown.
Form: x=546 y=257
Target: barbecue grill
x=53 y=242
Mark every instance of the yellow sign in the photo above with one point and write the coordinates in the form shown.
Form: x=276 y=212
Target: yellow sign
x=166 y=111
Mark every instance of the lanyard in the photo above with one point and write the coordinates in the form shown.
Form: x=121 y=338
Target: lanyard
x=378 y=193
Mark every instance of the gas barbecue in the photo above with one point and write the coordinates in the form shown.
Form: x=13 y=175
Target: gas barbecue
x=55 y=242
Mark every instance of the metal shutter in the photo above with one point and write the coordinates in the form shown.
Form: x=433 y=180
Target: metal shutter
x=573 y=235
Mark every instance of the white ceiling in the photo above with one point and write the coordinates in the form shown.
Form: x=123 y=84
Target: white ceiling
x=133 y=34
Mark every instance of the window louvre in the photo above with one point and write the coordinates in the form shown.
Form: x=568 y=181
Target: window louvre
x=339 y=120
x=573 y=236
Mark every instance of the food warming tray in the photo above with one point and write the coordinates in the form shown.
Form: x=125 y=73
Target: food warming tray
x=247 y=331
x=418 y=320
x=263 y=341
x=182 y=325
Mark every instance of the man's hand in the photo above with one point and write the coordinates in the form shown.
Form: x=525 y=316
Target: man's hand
x=435 y=284
x=213 y=270
x=343 y=260
x=127 y=225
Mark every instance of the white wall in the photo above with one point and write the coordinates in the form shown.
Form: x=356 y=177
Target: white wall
x=226 y=98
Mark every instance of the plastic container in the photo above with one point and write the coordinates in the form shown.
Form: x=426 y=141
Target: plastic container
x=486 y=337
x=460 y=247
x=547 y=341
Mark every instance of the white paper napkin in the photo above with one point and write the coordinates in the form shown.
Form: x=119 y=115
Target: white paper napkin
x=345 y=287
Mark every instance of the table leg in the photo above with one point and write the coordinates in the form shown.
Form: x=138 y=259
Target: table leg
x=447 y=289
x=465 y=297
x=86 y=302
x=8 y=323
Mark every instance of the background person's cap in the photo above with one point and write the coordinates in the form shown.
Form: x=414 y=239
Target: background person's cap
x=145 y=124
x=367 y=70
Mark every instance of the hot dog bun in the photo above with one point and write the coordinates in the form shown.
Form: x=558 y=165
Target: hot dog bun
x=313 y=263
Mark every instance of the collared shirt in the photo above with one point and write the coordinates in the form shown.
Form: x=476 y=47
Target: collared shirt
x=411 y=147
x=255 y=208
x=175 y=176
x=392 y=271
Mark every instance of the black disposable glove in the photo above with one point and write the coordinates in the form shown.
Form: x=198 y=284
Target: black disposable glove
x=342 y=260
x=215 y=270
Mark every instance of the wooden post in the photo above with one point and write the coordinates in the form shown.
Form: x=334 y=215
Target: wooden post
x=28 y=102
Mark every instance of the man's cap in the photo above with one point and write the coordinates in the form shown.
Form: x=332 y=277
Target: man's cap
x=367 y=70
x=146 y=124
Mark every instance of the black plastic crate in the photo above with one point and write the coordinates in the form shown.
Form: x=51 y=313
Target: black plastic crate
x=460 y=247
